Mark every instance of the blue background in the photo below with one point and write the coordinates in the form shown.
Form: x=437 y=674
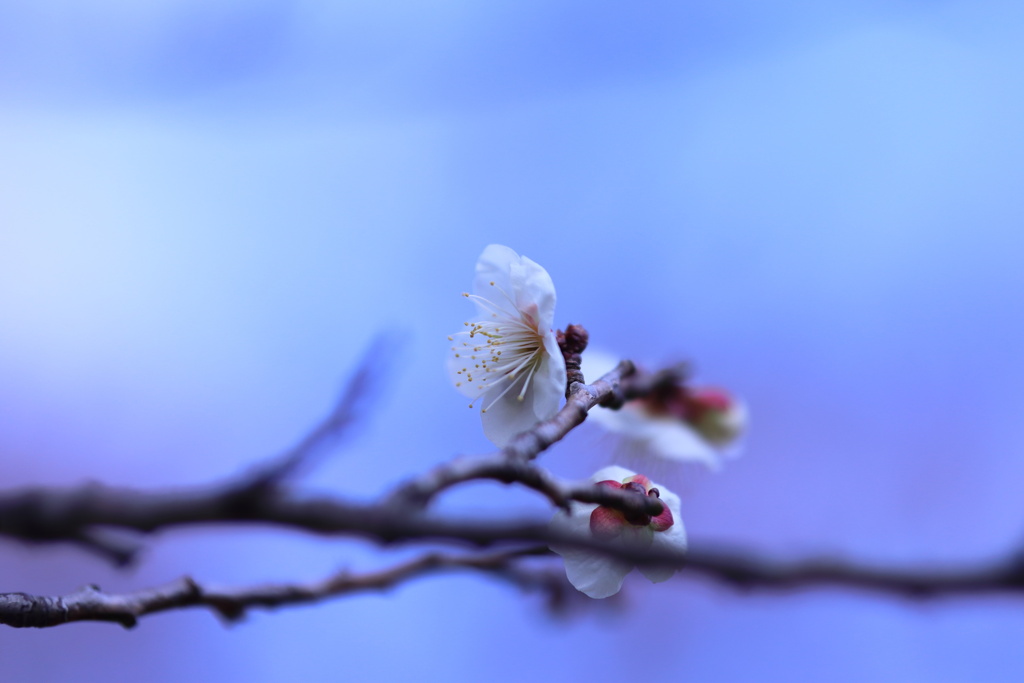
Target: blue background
x=208 y=208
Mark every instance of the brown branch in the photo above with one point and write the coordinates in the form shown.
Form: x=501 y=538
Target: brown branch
x=47 y=515
x=736 y=569
x=86 y=514
x=351 y=408
x=744 y=570
x=498 y=467
x=513 y=462
x=231 y=604
x=94 y=516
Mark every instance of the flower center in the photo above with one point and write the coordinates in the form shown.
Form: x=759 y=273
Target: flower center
x=501 y=353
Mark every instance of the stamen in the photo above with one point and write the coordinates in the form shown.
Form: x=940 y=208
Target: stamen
x=497 y=398
x=522 y=394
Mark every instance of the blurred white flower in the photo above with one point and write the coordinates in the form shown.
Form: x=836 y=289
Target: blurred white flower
x=599 y=576
x=509 y=360
x=680 y=423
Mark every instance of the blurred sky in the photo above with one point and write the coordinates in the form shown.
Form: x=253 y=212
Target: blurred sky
x=208 y=208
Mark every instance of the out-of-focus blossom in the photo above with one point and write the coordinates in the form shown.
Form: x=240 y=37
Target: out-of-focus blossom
x=509 y=360
x=599 y=576
x=678 y=423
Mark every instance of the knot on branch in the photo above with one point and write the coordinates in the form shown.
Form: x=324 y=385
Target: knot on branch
x=572 y=342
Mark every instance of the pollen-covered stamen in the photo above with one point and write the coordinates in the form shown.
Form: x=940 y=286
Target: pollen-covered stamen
x=500 y=352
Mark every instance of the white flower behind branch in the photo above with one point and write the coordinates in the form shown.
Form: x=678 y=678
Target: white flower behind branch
x=677 y=424
x=598 y=575
x=508 y=361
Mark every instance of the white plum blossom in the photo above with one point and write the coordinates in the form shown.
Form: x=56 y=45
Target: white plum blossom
x=597 y=575
x=509 y=360
x=678 y=424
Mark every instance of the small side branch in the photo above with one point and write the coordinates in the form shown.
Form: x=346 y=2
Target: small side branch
x=513 y=463
x=497 y=467
x=352 y=407
x=231 y=604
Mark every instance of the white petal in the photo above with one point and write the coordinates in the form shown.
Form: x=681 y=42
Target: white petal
x=548 y=382
x=534 y=289
x=658 y=437
x=674 y=440
x=507 y=416
x=494 y=265
x=626 y=421
x=657 y=574
x=672 y=539
x=591 y=573
x=575 y=522
x=526 y=283
x=613 y=472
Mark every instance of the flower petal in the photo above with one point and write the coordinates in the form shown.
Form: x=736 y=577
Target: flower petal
x=575 y=522
x=593 y=574
x=607 y=523
x=641 y=479
x=674 y=440
x=663 y=521
x=613 y=472
x=528 y=286
x=507 y=416
x=494 y=265
x=656 y=574
x=534 y=288
x=672 y=539
x=549 y=381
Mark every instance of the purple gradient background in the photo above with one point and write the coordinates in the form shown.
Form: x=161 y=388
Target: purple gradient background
x=209 y=208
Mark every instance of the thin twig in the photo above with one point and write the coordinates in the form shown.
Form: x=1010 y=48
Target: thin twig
x=498 y=467
x=512 y=463
x=91 y=604
x=352 y=407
